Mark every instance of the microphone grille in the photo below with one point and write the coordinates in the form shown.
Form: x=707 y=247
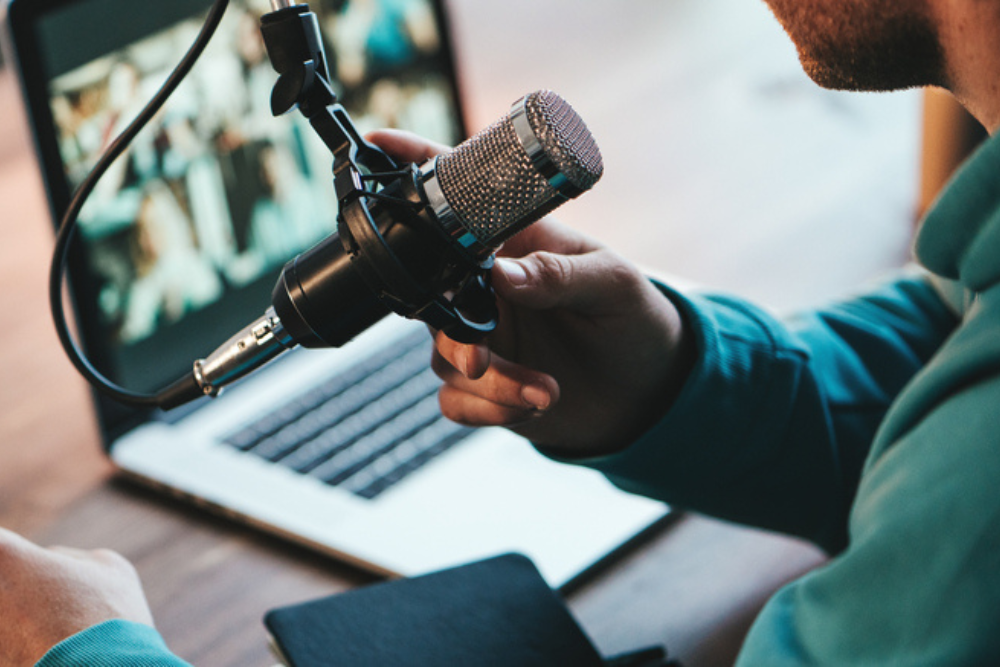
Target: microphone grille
x=565 y=138
x=520 y=168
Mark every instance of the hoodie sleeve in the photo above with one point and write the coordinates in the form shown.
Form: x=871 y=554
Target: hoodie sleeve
x=114 y=643
x=774 y=423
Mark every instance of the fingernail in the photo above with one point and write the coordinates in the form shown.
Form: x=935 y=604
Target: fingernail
x=477 y=360
x=464 y=359
x=513 y=271
x=536 y=396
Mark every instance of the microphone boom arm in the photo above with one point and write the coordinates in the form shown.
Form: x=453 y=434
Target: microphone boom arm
x=377 y=198
x=295 y=48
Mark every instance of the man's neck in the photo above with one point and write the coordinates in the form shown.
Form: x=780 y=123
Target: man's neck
x=969 y=32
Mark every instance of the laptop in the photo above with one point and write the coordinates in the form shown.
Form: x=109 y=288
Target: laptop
x=343 y=450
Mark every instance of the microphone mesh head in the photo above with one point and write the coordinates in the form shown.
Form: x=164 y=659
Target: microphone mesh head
x=494 y=186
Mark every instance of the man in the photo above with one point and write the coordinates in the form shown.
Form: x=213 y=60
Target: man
x=870 y=427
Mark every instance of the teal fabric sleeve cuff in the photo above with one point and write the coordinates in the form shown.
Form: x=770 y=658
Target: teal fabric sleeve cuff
x=776 y=418
x=722 y=447
x=115 y=643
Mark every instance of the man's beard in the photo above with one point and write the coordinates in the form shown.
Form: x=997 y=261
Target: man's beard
x=851 y=45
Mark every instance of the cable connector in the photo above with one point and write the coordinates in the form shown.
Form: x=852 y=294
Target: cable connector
x=254 y=346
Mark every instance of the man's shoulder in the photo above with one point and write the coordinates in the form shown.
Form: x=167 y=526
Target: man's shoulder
x=951 y=451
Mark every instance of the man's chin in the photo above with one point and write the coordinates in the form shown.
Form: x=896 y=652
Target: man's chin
x=859 y=78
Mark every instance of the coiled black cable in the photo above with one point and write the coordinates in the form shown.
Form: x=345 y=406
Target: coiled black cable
x=184 y=388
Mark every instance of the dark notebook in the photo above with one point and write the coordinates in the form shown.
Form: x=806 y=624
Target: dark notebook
x=492 y=613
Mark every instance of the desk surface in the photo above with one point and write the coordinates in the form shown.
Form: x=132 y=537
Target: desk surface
x=683 y=82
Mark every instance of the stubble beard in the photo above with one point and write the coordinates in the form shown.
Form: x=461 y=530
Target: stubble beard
x=852 y=45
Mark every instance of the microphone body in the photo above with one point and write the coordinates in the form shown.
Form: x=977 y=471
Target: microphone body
x=382 y=259
x=423 y=244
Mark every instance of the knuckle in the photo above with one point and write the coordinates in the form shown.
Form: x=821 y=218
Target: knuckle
x=452 y=409
x=13 y=548
x=441 y=366
x=553 y=268
x=113 y=559
x=502 y=390
x=445 y=346
x=620 y=273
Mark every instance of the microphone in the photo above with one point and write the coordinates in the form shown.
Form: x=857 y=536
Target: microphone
x=422 y=244
x=514 y=172
x=415 y=241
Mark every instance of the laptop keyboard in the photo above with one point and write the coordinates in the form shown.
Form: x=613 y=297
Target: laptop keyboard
x=364 y=430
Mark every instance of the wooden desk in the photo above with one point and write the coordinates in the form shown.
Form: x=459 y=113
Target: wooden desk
x=697 y=585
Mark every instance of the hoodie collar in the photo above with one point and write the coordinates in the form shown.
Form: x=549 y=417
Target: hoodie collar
x=960 y=237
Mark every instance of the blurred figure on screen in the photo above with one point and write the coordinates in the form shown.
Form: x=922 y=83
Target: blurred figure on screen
x=172 y=277
x=372 y=36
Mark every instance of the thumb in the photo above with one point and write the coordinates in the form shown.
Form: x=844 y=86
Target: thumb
x=596 y=280
x=405 y=146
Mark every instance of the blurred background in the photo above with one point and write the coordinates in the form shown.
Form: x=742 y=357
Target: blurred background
x=725 y=165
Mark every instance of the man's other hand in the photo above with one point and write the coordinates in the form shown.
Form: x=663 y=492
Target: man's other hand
x=48 y=595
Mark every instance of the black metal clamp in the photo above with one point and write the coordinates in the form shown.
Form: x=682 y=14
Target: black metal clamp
x=376 y=196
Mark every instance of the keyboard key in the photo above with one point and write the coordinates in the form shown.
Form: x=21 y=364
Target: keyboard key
x=379 y=441
x=407 y=457
x=364 y=430
x=360 y=423
x=406 y=357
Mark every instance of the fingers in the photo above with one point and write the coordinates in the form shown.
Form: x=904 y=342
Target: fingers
x=549 y=235
x=14 y=546
x=406 y=146
x=472 y=410
x=594 y=283
x=506 y=394
x=102 y=557
x=11 y=541
x=469 y=360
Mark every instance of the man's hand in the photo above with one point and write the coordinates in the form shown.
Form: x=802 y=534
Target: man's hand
x=588 y=353
x=48 y=595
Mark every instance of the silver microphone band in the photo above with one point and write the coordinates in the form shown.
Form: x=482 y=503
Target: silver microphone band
x=541 y=161
x=507 y=176
x=447 y=218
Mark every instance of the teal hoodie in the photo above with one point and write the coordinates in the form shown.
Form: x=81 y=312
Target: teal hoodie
x=871 y=427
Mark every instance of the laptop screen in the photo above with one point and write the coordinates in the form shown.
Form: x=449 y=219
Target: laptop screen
x=182 y=240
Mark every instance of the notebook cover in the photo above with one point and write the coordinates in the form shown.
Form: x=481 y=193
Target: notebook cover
x=493 y=613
